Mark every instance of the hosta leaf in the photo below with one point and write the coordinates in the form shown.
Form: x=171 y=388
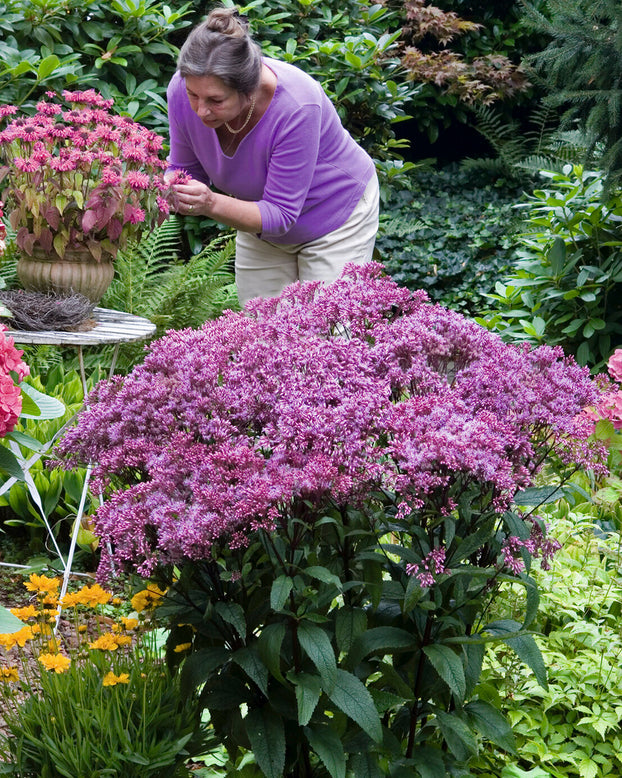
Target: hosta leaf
x=8 y=622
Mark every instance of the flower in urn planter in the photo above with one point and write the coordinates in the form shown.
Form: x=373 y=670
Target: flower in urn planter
x=77 y=174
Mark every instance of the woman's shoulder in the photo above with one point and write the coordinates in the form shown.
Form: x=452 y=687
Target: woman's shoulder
x=294 y=82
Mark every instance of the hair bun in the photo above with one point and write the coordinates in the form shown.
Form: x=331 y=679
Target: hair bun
x=227 y=21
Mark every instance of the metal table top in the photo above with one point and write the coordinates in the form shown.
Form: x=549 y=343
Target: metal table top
x=111 y=327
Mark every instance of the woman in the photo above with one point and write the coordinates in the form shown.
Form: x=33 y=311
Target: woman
x=302 y=195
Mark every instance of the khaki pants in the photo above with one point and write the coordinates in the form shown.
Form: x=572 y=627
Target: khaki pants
x=264 y=269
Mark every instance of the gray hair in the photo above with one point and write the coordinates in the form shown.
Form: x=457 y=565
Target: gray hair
x=221 y=46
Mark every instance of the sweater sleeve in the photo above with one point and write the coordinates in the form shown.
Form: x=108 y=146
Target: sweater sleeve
x=290 y=172
x=181 y=154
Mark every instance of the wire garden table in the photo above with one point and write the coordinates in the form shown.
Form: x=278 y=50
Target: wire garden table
x=111 y=328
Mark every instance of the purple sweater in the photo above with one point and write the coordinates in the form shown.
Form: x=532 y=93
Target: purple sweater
x=299 y=164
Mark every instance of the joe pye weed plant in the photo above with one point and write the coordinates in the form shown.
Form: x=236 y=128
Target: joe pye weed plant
x=331 y=475
x=99 y=700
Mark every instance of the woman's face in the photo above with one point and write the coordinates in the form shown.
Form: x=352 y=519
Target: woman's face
x=213 y=101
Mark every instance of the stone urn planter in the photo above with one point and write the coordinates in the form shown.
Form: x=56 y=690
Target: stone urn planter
x=77 y=272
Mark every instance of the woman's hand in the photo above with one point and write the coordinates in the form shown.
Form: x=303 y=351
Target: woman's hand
x=194 y=198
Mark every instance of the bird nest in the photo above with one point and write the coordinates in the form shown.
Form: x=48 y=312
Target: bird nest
x=36 y=311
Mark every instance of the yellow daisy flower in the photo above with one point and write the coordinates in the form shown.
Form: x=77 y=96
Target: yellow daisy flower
x=182 y=647
x=27 y=612
x=42 y=584
x=9 y=674
x=106 y=642
x=56 y=662
x=147 y=598
x=110 y=679
x=129 y=624
x=19 y=638
x=94 y=595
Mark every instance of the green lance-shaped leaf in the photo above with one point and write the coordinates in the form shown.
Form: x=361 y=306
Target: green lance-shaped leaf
x=458 y=736
x=557 y=256
x=198 y=667
x=380 y=640
x=365 y=765
x=9 y=464
x=250 y=661
x=327 y=745
x=8 y=622
x=491 y=724
x=279 y=592
x=429 y=762
x=350 y=695
x=308 y=693
x=318 y=648
x=324 y=575
x=523 y=645
x=233 y=614
x=349 y=624
x=267 y=738
x=269 y=647
x=449 y=666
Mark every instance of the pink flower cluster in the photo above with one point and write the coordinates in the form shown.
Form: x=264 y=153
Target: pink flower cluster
x=432 y=564
x=609 y=405
x=321 y=396
x=10 y=394
x=538 y=545
x=78 y=174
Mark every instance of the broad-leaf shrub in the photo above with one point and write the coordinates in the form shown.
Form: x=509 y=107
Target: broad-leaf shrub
x=332 y=472
x=565 y=286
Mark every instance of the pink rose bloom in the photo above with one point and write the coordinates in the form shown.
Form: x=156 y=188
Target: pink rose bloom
x=615 y=365
x=11 y=357
x=10 y=404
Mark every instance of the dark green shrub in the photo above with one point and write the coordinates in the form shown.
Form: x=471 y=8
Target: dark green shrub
x=449 y=237
x=121 y=48
x=582 y=68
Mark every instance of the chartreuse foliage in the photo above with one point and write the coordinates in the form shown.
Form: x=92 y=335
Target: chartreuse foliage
x=326 y=482
x=571 y=729
x=565 y=286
